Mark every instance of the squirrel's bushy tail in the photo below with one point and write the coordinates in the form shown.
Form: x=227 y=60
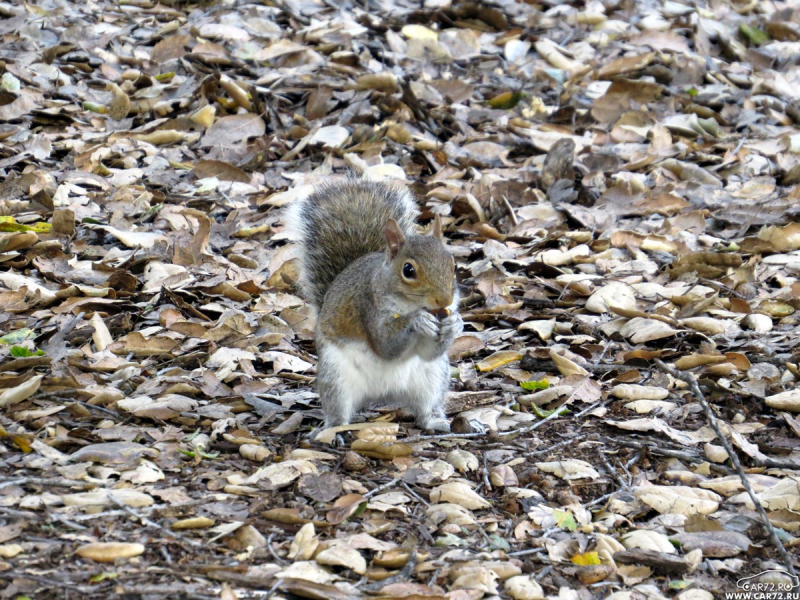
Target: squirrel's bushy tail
x=341 y=221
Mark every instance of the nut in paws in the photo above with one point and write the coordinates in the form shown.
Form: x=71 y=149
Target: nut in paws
x=451 y=327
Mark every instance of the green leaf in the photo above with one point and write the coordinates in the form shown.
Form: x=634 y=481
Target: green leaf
x=10 y=83
x=540 y=412
x=42 y=227
x=23 y=352
x=95 y=107
x=754 y=34
x=359 y=511
x=17 y=337
x=191 y=436
x=692 y=92
x=506 y=100
x=10 y=225
x=100 y=577
x=565 y=520
x=679 y=584
x=450 y=539
x=7 y=227
x=499 y=542
x=532 y=386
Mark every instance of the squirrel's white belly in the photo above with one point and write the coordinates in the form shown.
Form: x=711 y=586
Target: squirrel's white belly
x=367 y=376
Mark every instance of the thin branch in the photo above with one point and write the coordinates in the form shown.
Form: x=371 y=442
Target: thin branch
x=569 y=441
x=527 y=552
x=661 y=449
x=44 y=481
x=415 y=494
x=149 y=510
x=277 y=558
x=712 y=420
x=442 y=436
x=557 y=412
x=613 y=472
x=382 y=487
x=404 y=575
x=152 y=524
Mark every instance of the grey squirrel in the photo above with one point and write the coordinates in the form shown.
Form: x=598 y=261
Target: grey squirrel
x=386 y=298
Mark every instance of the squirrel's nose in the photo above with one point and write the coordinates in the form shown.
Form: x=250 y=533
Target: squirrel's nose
x=444 y=301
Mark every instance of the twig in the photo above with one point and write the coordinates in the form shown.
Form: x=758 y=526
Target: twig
x=442 y=436
x=566 y=442
x=415 y=494
x=598 y=500
x=22 y=514
x=277 y=558
x=712 y=420
x=274 y=587
x=485 y=472
x=145 y=510
x=613 y=472
x=687 y=455
x=555 y=414
x=403 y=575
x=527 y=552
x=531 y=363
x=8 y=482
x=380 y=488
x=594 y=406
x=299 y=146
x=721 y=288
x=152 y=524
x=510 y=211
x=65 y=521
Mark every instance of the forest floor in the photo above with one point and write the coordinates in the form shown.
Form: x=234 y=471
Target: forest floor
x=618 y=181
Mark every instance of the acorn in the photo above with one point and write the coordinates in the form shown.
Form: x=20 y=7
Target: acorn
x=440 y=313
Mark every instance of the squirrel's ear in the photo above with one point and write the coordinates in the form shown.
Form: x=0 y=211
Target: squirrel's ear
x=437 y=228
x=394 y=237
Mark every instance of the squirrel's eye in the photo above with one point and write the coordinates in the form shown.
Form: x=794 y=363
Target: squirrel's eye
x=409 y=272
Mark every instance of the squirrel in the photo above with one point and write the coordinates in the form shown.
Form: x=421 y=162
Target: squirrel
x=386 y=299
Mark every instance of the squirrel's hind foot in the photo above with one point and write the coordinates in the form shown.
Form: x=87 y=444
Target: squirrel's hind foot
x=439 y=425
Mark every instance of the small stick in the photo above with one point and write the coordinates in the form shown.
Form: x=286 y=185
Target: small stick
x=404 y=575
x=442 y=436
x=271 y=591
x=145 y=521
x=567 y=442
x=527 y=552
x=485 y=472
x=277 y=558
x=43 y=481
x=712 y=420
x=613 y=472
x=382 y=487
x=415 y=494
x=554 y=415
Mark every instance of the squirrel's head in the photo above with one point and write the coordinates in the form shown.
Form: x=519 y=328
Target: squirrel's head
x=424 y=269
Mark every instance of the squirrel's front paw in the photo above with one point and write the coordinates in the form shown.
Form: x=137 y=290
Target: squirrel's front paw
x=426 y=324
x=451 y=327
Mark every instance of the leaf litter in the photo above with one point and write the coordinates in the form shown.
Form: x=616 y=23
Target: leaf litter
x=619 y=183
